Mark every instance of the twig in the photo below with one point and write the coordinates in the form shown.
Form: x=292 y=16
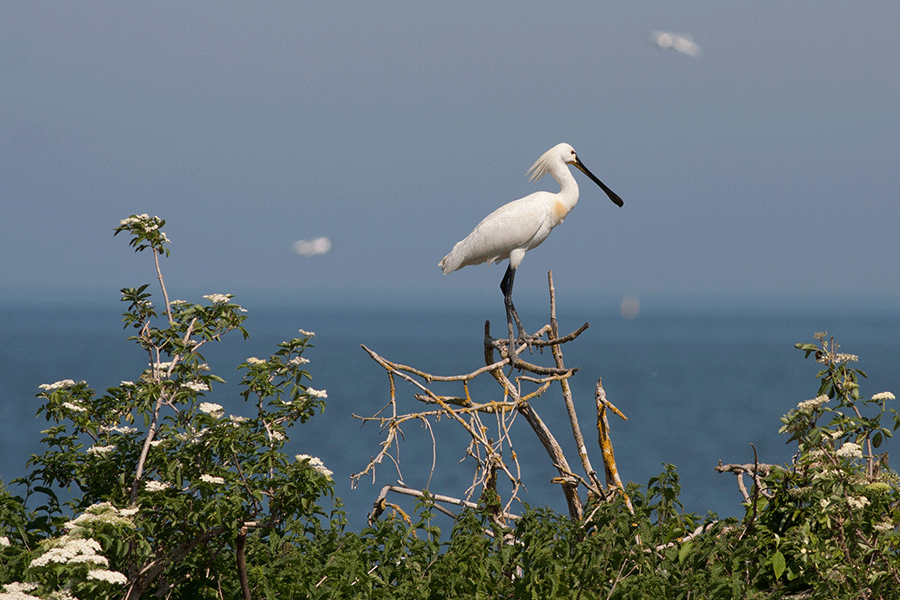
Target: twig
x=554 y=450
x=162 y=284
x=609 y=460
x=754 y=500
x=754 y=470
x=699 y=530
x=748 y=468
x=490 y=450
x=398 y=489
x=152 y=569
x=241 y=565
x=567 y=393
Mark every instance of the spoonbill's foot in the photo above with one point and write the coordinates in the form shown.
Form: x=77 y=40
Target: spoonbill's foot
x=527 y=339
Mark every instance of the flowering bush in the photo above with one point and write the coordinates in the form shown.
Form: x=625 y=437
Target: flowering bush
x=830 y=522
x=169 y=491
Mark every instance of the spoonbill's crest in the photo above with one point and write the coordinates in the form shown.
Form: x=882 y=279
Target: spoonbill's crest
x=523 y=224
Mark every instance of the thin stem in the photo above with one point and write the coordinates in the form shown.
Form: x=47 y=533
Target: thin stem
x=162 y=284
x=145 y=450
x=567 y=392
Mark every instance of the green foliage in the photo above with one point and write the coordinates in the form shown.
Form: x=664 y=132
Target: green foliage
x=168 y=496
x=828 y=525
x=163 y=482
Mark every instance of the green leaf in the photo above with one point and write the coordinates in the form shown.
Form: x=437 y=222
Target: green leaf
x=877 y=439
x=806 y=348
x=685 y=550
x=778 y=564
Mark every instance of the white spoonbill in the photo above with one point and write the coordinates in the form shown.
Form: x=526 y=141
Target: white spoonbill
x=523 y=224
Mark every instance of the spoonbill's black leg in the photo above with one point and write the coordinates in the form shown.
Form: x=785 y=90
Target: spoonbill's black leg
x=506 y=287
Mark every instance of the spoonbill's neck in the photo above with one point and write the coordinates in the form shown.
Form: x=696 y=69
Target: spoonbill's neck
x=568 y=187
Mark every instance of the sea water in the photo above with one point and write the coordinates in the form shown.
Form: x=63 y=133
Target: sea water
x=697 y=386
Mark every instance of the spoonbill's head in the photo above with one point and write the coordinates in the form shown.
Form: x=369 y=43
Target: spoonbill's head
x=564 y=154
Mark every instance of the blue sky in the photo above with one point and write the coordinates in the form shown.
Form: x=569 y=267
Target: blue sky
x=764 y=169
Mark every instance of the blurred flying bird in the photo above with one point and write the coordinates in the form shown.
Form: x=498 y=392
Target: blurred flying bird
x=307 y=248
x=523 y=224
x=665 y=40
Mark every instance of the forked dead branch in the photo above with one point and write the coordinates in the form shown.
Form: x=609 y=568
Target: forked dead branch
x=488 y=423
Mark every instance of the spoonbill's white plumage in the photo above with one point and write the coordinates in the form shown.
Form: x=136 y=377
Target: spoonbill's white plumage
x=523 y=224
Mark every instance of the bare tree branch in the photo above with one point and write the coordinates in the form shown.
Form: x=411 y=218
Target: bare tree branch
x=491 y=442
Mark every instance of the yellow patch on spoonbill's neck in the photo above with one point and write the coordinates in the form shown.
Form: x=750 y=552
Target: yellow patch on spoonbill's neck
x=560 y=210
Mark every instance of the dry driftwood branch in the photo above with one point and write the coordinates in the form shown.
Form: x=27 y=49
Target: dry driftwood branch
x=381 y=502
x=594 y=486
x=473 y=425
x=699 y=530
x=753 y=469
x=609 y=460
x=762 y=468
x=488 y=423
x=554 y=450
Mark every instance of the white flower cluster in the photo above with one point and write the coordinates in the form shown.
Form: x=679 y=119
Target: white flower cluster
x=160 y=368
x=883 y=396
x=107 y=576
x=76 y=548
x=255 y=361
x=884 y=526
x=145 y=222
x=860 y=502
x=49 y=387
x=212 y=479
x=104 y=512
x=71 y=549
x=825 y=358
x=850 y=450
x=18 y=591
x=843 y=358
x=316 y=463
x=210 y=408
x=197 y=386
x=298 y=360
x=74 y=407
x=218 y=298
x=156 y=486
x=305 y=333
x=124 y=429
x=814 y=403
x=100 y=449
x=139 y=220
x=317 y=393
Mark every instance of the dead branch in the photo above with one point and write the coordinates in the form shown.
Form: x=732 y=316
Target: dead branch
x=609 y=460
x=762 y=468
x=699 y=530
x=754 y=470
x=381 y=502
x=554 y=450
x=594 y=486
x=495 y=454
